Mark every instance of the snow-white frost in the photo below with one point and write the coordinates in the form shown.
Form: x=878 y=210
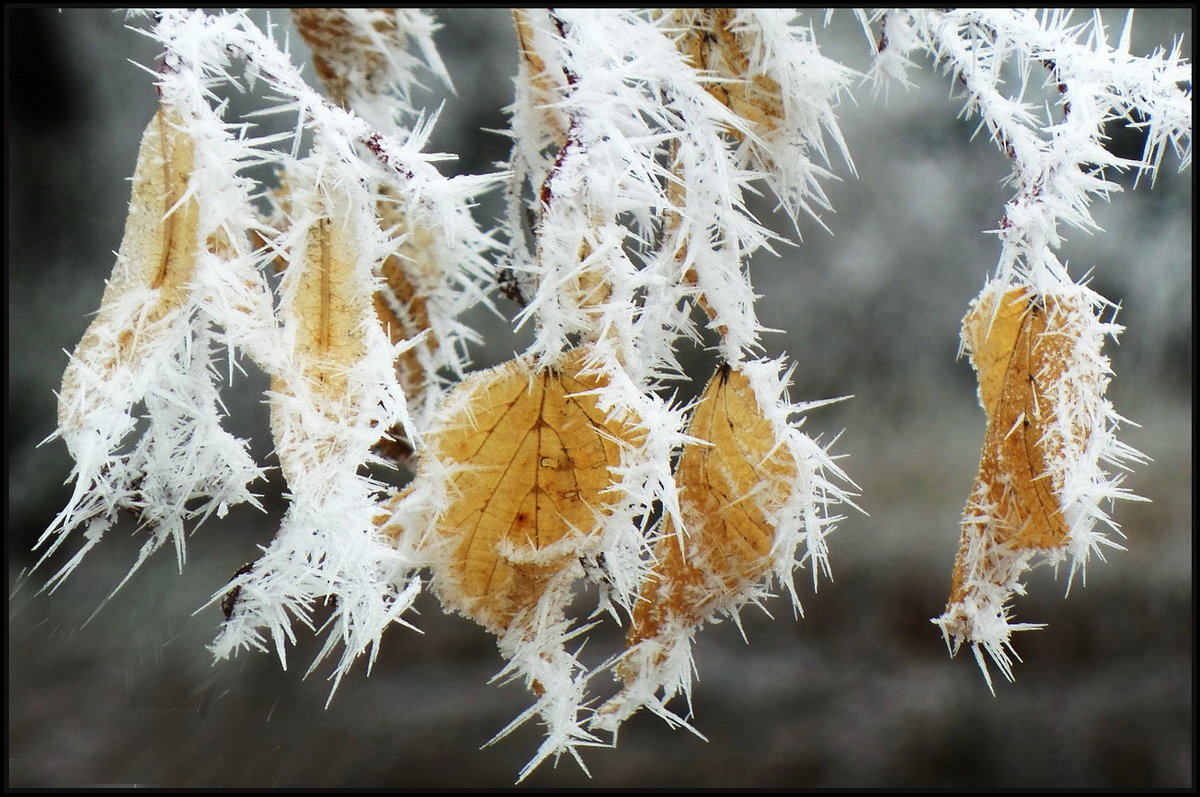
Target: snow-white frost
x=626 y=222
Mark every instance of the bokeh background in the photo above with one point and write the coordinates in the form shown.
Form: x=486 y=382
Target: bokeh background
x=860 y=692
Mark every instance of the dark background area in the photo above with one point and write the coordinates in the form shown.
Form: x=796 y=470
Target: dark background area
x=858 y=693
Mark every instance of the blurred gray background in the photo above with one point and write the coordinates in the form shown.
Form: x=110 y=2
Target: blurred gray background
x=858 y=693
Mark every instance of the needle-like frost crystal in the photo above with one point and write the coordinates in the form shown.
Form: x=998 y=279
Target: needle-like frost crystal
x=637 y=136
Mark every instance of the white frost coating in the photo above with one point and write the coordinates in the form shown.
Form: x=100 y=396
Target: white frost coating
x=794 y=156
x=167 y=363
x=1081 y=446
x=805 y=517
x=535 y=650
x=626 y=218
x=1058 y=164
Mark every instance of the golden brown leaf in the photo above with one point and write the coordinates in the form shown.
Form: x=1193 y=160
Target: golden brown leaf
x=531 y=456
x=727 y=489
x=157 y=255
x=543 y=84
x=1018 y=358
x=410 y=276
x=159 y=247
x=327 y=304
x=713 y=47
x=345 y=55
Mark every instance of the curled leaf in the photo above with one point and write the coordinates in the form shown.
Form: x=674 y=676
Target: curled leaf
x=338 y=381
x=410 y=274
x=323 y=313
x=147 y=359
x=154 y=269
x=326 y=305
x=402 y=301
x=1041 y=382
x=536 y=77
x=734 y=482
x=1017 y=360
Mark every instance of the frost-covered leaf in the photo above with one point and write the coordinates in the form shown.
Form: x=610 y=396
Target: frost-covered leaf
x=150 y=345
x=154 y=268
x=538 y=80
x=334 y=392
x=768 y=71
x=530 y=461
x=735 y=471
x=1049 y=431
x=708 y=38
x=411 y=276
x=532 y=458
x=751 y=490
x=362 y=55
x=1017 y=363
x=325 y=307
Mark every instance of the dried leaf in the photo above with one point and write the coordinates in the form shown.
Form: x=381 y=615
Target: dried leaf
x=729 y=484
x=1041 y=383
x=155 y=264
x=531 y=455
x=712 y=45
x=536 y=76
x=402 y=302
x=349 y=55
x=410 y=277
x=1017 y=360
x=326 y=305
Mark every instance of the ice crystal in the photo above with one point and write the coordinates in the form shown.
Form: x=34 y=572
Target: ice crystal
x=637 y=137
